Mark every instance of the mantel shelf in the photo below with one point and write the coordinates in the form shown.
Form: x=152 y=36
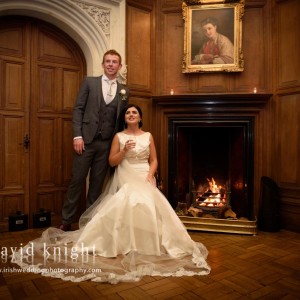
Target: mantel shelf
x=213 y=99
x=213 y=102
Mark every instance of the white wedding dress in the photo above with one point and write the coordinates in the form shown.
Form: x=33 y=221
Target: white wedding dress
x=129 y=232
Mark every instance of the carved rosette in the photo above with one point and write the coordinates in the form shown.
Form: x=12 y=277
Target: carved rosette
x=99 y=14
x=122 y=75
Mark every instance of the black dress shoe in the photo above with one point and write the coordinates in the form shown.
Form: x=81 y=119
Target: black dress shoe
x=64 y=227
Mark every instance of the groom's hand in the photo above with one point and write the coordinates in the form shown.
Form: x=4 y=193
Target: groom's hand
x=78 y=145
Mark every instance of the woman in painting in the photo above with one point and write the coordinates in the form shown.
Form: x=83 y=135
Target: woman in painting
x=217 y=48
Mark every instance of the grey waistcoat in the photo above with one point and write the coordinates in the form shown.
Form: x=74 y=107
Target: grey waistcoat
x=108 y=117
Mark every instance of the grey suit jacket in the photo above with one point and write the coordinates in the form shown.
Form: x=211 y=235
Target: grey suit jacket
x=86 y=113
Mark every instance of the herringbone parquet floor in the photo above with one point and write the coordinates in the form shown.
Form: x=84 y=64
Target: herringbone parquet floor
x=265 y=266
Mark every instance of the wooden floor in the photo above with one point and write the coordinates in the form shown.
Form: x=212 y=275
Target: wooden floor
x=265 y=266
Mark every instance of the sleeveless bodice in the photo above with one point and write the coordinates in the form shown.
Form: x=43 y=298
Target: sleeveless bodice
x=139 y=155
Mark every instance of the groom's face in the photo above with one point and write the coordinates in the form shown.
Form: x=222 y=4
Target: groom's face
x=111 y=65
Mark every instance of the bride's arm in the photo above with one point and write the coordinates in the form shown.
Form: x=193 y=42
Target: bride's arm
x=117 y=154
x=152 y=161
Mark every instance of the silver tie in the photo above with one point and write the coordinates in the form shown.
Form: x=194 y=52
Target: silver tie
x=109 y=96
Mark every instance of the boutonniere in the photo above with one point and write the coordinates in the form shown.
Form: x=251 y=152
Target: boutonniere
x=122 y=94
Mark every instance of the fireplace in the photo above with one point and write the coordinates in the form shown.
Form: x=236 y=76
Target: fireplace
x=210 y=152
x=215 y=149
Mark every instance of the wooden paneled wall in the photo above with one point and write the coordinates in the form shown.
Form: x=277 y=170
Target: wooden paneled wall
x=286 y=109
x=270 y=44
x=170 y=42
x=140 y=55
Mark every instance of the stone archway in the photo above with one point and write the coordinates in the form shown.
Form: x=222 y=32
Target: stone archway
x=87 y=24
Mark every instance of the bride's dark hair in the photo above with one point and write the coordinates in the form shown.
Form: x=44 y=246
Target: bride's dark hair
x=122 y=116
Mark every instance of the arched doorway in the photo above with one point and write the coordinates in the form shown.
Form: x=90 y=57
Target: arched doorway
x=41 y=69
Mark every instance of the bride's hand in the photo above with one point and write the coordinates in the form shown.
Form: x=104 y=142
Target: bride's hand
x=150 y=178
x=130 y=144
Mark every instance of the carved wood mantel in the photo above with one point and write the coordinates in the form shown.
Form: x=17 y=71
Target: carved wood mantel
x=202 y=105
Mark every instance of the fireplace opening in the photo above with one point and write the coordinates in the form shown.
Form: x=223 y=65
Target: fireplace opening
x=211 y=167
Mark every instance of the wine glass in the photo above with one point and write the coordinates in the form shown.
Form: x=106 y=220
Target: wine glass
x=133 y=139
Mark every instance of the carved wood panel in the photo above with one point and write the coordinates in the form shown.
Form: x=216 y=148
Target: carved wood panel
x=14 y=112
x=57 y=70
x=41 y=70
x=286 y=110
x=288 y=44
x=256 y=49
x=288 y=139
x=139 y=59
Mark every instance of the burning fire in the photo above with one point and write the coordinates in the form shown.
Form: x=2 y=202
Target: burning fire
x=214 y=196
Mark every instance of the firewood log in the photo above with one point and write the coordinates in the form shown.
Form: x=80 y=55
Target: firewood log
x=195 y=212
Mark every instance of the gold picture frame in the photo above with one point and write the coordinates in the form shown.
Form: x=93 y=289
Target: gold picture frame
x=212 y=36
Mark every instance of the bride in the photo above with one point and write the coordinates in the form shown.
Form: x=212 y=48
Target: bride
x=131 y=231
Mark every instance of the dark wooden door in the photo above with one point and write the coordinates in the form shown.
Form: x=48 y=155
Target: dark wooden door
x=40 y=72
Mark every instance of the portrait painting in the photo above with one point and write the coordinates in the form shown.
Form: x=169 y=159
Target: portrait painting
x=212 y=36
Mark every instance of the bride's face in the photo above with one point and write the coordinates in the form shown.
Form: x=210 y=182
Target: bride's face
x=132 y=116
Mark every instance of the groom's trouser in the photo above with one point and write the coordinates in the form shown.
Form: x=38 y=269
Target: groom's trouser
x=94 y=159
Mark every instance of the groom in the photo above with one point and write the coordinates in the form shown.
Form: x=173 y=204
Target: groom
x=95 y=120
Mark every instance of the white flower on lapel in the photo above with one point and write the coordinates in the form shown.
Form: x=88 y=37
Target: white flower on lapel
x=123 y=95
